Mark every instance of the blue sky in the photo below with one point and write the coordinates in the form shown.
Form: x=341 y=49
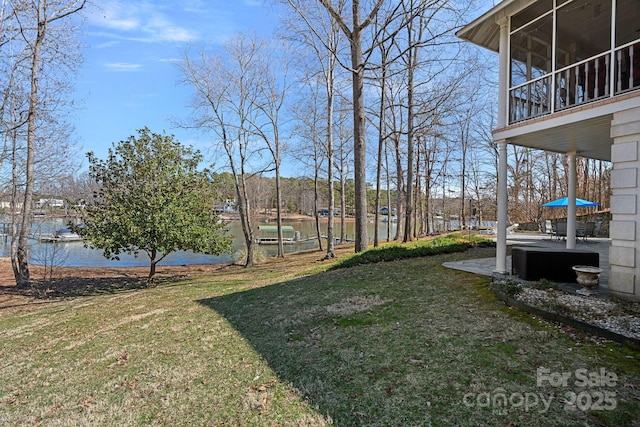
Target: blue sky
x=129 y=79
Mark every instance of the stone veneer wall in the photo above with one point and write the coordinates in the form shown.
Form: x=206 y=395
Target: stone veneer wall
x=625 y=239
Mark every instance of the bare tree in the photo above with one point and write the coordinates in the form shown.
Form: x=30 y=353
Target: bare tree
x=463 y=127
x=271 y=91
x=430 y=157
x=309 y=118
x=325 y=45
x=41 y=37
x=382 y=79
x=429 y=53
x=224 y=92
x=353 y=31
x=343 y=159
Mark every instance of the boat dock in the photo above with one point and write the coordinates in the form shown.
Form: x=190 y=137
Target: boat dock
x=61 y=236
x=268 y=235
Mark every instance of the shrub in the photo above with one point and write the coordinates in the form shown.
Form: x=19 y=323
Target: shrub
x=508 y=287
x=449 y=243
x=544 y=284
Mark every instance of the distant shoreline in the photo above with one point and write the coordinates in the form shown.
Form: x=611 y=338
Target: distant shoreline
x=285 y=218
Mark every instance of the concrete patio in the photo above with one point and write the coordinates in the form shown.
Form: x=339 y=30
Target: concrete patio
x=486 y=266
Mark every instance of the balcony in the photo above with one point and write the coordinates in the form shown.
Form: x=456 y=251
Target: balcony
x=603 y=76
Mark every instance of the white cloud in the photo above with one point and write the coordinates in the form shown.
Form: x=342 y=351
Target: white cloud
x=161 y=29
x=196 y=6
x=130 y=24
x=170 y=60
x=107 y=44
x=114 y=15
x=143 y=21
x=123 y=66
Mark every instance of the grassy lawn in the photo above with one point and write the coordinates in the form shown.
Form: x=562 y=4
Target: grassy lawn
x=292 y=343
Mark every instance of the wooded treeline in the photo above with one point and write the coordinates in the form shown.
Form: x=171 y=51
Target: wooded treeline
x=531 y=183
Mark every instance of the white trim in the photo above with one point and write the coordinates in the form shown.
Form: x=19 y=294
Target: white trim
x=554 y=121
x=612 y=66
x=571 y=208
x=515 y=30
x=554 y=49
x=485 y=17
x=504 y=75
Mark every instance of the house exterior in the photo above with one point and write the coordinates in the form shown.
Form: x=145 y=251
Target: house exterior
x=51 y=203
x=569 y=82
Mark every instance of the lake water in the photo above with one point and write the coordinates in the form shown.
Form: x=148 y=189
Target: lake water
x=74 y=254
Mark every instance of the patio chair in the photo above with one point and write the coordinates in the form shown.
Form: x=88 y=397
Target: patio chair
x=596 y=229
x=560 y=229
x=585 y=231
x=546 y=226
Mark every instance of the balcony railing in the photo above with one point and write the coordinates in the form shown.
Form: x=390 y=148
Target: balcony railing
x=530 y=99
x=605 y=75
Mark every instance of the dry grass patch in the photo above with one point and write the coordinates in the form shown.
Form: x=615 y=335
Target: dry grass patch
x=356 y=304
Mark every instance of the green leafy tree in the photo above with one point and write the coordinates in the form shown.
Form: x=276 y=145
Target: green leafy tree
x=154 y=199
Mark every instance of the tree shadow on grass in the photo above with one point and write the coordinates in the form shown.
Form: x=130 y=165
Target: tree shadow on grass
x=400 y=345
x=331 y=343
x=74 y=286
x=73 y=282
x=252 y=314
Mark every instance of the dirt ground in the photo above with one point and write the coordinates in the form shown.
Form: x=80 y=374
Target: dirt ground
x=78 y=281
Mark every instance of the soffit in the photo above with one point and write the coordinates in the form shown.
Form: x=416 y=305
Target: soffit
x=484 y=30
x=585 y=129
x=588 y=138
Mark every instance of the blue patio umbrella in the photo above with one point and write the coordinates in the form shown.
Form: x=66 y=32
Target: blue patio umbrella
x=564 y=202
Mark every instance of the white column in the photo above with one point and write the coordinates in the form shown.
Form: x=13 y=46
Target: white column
x=501 y=241
x=503 y=111
x=571 y=208
x=503 y=79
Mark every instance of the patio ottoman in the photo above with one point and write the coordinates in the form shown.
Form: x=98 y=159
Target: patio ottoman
x=529 y=263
